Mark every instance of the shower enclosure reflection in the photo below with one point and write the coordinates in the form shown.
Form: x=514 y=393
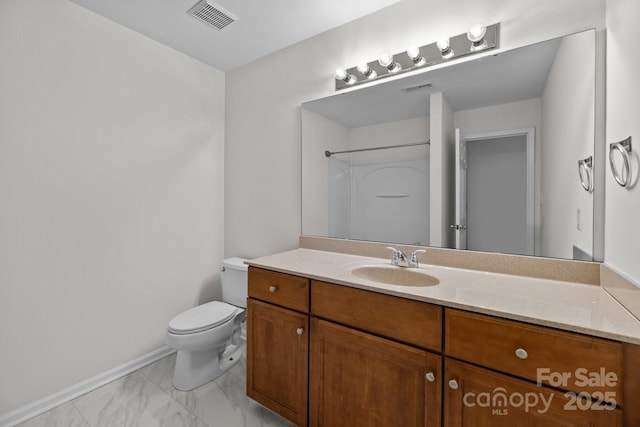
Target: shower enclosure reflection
x=376 y=195
x=380 y=197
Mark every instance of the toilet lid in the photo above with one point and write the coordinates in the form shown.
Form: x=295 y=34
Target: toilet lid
x=202 y=317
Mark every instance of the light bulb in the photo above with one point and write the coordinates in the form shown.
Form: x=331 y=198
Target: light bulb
x=476 y=33
x=413 y=52
x=340 y=74
x=385 y=59
x=444 y=45
x=368 y=72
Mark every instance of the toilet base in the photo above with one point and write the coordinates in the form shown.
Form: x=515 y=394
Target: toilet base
x=195 y=368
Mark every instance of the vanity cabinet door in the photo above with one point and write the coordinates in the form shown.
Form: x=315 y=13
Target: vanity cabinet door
x=360 y=380
x=277 y=359
x=477 y=397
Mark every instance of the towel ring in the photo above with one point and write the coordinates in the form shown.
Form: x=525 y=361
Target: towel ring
x=623 y=176
x=585 y=170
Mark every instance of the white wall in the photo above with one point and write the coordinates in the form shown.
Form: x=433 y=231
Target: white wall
x=391 y=133
x=442 y=178
x=513 y=115
x=568 y=126
x=319 y=135
x=111 y=180
x=622 y=227
x=262 y=147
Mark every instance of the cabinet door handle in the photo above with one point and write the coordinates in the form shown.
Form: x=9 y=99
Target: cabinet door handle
x=521 y=353
x=300 y=331
x=272 y=288
x=430 y=377
x=453 y=384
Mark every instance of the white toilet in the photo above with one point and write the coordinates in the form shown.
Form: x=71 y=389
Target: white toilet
x=207 y=337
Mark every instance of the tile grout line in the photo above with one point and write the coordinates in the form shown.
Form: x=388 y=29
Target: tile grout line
x=80 y=412
x=171 y=397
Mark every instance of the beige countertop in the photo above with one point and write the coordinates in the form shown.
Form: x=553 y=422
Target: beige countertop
x=569 y=306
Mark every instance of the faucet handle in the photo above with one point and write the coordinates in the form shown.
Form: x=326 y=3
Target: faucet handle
x=396 y=254
x=414 y=257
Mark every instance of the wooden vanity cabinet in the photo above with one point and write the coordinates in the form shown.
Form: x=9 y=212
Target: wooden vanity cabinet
x=278 y=343
x=530 y=360
x=322 y=354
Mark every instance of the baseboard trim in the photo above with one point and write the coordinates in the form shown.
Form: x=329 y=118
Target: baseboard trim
x=38 y=407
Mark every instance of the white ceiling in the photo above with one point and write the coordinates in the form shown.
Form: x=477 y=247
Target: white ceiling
x=510 y=76
x=263 y=26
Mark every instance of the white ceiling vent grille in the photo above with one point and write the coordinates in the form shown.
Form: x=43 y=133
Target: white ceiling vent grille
x=417 y=87
x=212 y=14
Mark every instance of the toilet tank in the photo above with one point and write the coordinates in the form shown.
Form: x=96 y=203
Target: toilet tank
x=234 y=281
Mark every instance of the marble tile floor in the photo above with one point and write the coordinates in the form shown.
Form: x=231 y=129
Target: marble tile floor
x=146 y=398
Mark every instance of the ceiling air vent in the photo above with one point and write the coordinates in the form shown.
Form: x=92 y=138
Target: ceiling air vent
x=212 y=14
x=417 y=87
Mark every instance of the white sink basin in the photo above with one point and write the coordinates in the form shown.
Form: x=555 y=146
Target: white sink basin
x=393 y=275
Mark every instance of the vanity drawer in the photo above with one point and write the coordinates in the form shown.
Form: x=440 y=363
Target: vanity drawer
x=561 y=359
x=412 y=322
x=279 y=288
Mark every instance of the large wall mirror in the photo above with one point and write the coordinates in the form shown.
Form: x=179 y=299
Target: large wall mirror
x=480 y=155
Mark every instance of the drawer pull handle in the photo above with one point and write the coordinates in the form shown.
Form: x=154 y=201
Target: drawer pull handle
x=272 y=289
x=430 y=377
x=299 y=331
x=521 y=353
x=453 y=384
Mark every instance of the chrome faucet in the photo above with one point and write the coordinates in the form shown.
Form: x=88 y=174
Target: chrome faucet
x=400 y=259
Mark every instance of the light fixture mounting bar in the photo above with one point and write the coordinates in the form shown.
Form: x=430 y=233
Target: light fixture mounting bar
x=460 y=46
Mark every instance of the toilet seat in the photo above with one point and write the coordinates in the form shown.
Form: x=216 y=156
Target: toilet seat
x=202 y=317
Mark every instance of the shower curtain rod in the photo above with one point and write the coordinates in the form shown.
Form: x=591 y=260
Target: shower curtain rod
x=330 y=153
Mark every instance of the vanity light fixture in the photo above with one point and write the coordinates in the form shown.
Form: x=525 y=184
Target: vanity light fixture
x=386 y=60
x=414 y=54
x=367 y=71
x=444 y=46
x=476 y=36
x=342 y=75
x=477 y=40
